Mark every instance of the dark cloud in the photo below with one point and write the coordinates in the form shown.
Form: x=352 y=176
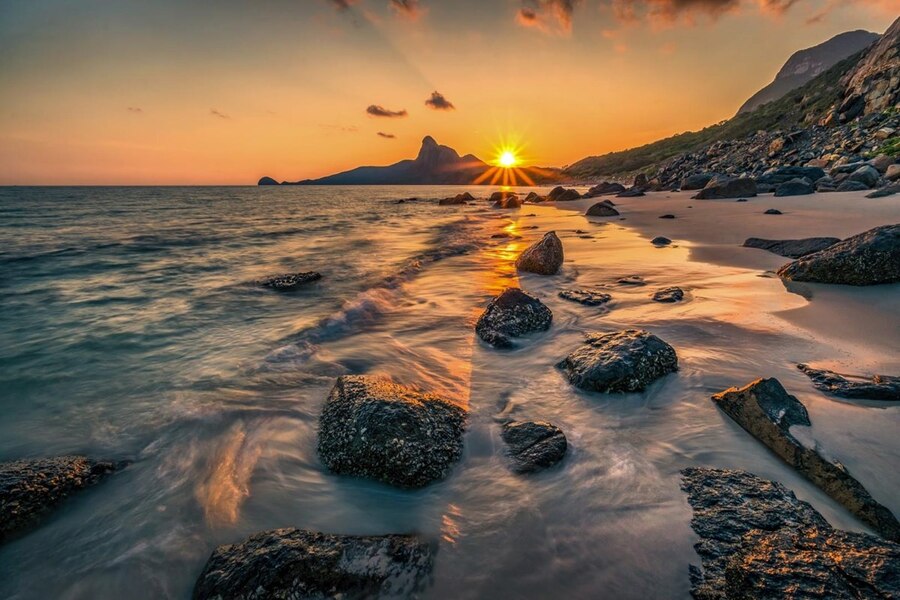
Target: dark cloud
x=380 y=111
x=552 y=16
x=411 y=9
x=134 y=109
x=669 y=11
x=438 y=102
x=389 y=136
x=219 y=114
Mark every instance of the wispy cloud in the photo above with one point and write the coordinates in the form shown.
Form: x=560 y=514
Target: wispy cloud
x=411 y=9
x=341 y=128
x=342 y=4
x=439 y=102
x=550 y=16
x=134 y=109
x=219 y=114
x=379 y=111
x=389 y=136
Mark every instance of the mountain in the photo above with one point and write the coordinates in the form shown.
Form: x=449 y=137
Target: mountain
x=872 y=86
x=805 y=65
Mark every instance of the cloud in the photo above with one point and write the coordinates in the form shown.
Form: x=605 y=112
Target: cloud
x=219 y=114
x=411 y=9
x=134 y=109
x=438 y=102
x=549 y=16
x=389 y=136
x=671 y=11
x=379 y=111
x=342 y=5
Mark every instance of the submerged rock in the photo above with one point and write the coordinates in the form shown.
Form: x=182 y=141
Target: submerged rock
x=792 y=248
x=560 y=194
x=534 y=446
x=512 y=314
x=586 y=297
x=868 y=258
x=878 y=387
x=507 y=201
x=30 y=488
x=544 y=257
x=624 y=361
x=635 y=280
x=767 y=411
x=602 y=209
x=757 y=540
x=374 y=428
x=294 y=563
x=289 y=281
x=669 y=294
x=727 y=187
x=463 y=198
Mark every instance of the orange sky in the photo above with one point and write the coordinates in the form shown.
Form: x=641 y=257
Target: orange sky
x=128 y=92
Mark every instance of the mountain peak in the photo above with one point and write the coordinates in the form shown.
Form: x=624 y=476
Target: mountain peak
x=428 y=141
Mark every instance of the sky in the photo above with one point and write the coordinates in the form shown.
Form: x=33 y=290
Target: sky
x=226 y=91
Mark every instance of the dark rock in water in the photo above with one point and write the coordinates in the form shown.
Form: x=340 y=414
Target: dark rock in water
x=374 y=428
x=794 y=187
x=868 y=258
x=601 y=209
x=505 y=200
x=792 y=248
x=757 y=540
x=463 y=198
x=852 y=186
x=534 y=197
x=512 y=314
x=561 y=194
x=544 y=257
x=624 y=361
x=782 y=175
x=604 y=188
x=669 y=294
x=267 y=181
x=772 y=211
x=30 y=488
x=878 y=387
x=586 y=297
x=767 y=412
x=696 y=182
x=666 y=216
x=631 y=193
x=289 y=281
x=884 y=192
x=294 y=563
x=632 y=280
x=866 y=175
x=727 y=187
x=660 y=241
x=534 y=446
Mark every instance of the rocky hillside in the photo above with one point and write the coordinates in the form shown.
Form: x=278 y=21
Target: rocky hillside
x=805 y=65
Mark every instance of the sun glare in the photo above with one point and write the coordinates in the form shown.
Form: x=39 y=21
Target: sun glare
x=507 y=159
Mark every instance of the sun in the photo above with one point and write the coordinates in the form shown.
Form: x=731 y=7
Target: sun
x=507 y=159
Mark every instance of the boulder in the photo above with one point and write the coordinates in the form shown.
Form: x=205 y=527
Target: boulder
x=792 y=248
x=295 y=563
x=640 y=181
x=660 y=241
x=884 y=192
x=534 y=197
x=604 y=188
x=727 y=187
x=784 y=174
x=512 y=314
x=669 y=294
x=533 y=446
x=624 y=361
x=463 y=198
x=768 y=412
x=868 y=258
x=586 y=297
x=866 y=175
x=696 y=182
x=601 y=209
x=30 y=488
x=561 y=194
x=892 y=173
x=877 y=387
x=757 y=540
x=631 y=193
x=266 y=181
x=508 y=201
x=772 y=211
x=794 y=187
x=881 y=163
x=851 y=186
x=377 y=429
x=544 y=257
x=666 y=216
x=289 y=281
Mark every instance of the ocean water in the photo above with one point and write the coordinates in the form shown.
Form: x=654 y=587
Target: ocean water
x=131 y=329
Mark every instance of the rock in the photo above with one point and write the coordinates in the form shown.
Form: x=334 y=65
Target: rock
x=669 y=294
x=544 y=257
x=289 y=281
x=632 y=280
x=631 y=193
x=463 y=198
x=727 y=187
x=782 y=175
x=866 y=175
x=792 y=248
x=881 y=163
x=266 y=181
x=660 y=241
x=624 y=361
x=605 y=188
x=767 y=412
x=512 y=314
x=561 y=194
x=377 y=429
x=794 y=187
x=666 y=217
x=534 y=197
x=851 y=186
x=757 y=540
x=534 y=446
x=826 y=184
x=772 y=211
x=878 y=387
x=640 y=181
x=892 y=173
x=507 y=201
x=695 y=182
x=884 y=192
x=741 y=200
x=30 y=488
x=586 y=297
x=294 y=563
x=868 y=258
x=601 y=209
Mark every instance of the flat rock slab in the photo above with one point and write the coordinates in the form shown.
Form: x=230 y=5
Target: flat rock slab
x=30 y=488
x=757 y=540
x=374 y=428
x=534 y=445
x=544 y=257
x=868 y=258
x=510 y=315
x=877 y=387
x=767 y=411
x=294 y=563
x=588 y=297
x=289 y=281
x=792 y=248
x=624 y=361
x=669 y=294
